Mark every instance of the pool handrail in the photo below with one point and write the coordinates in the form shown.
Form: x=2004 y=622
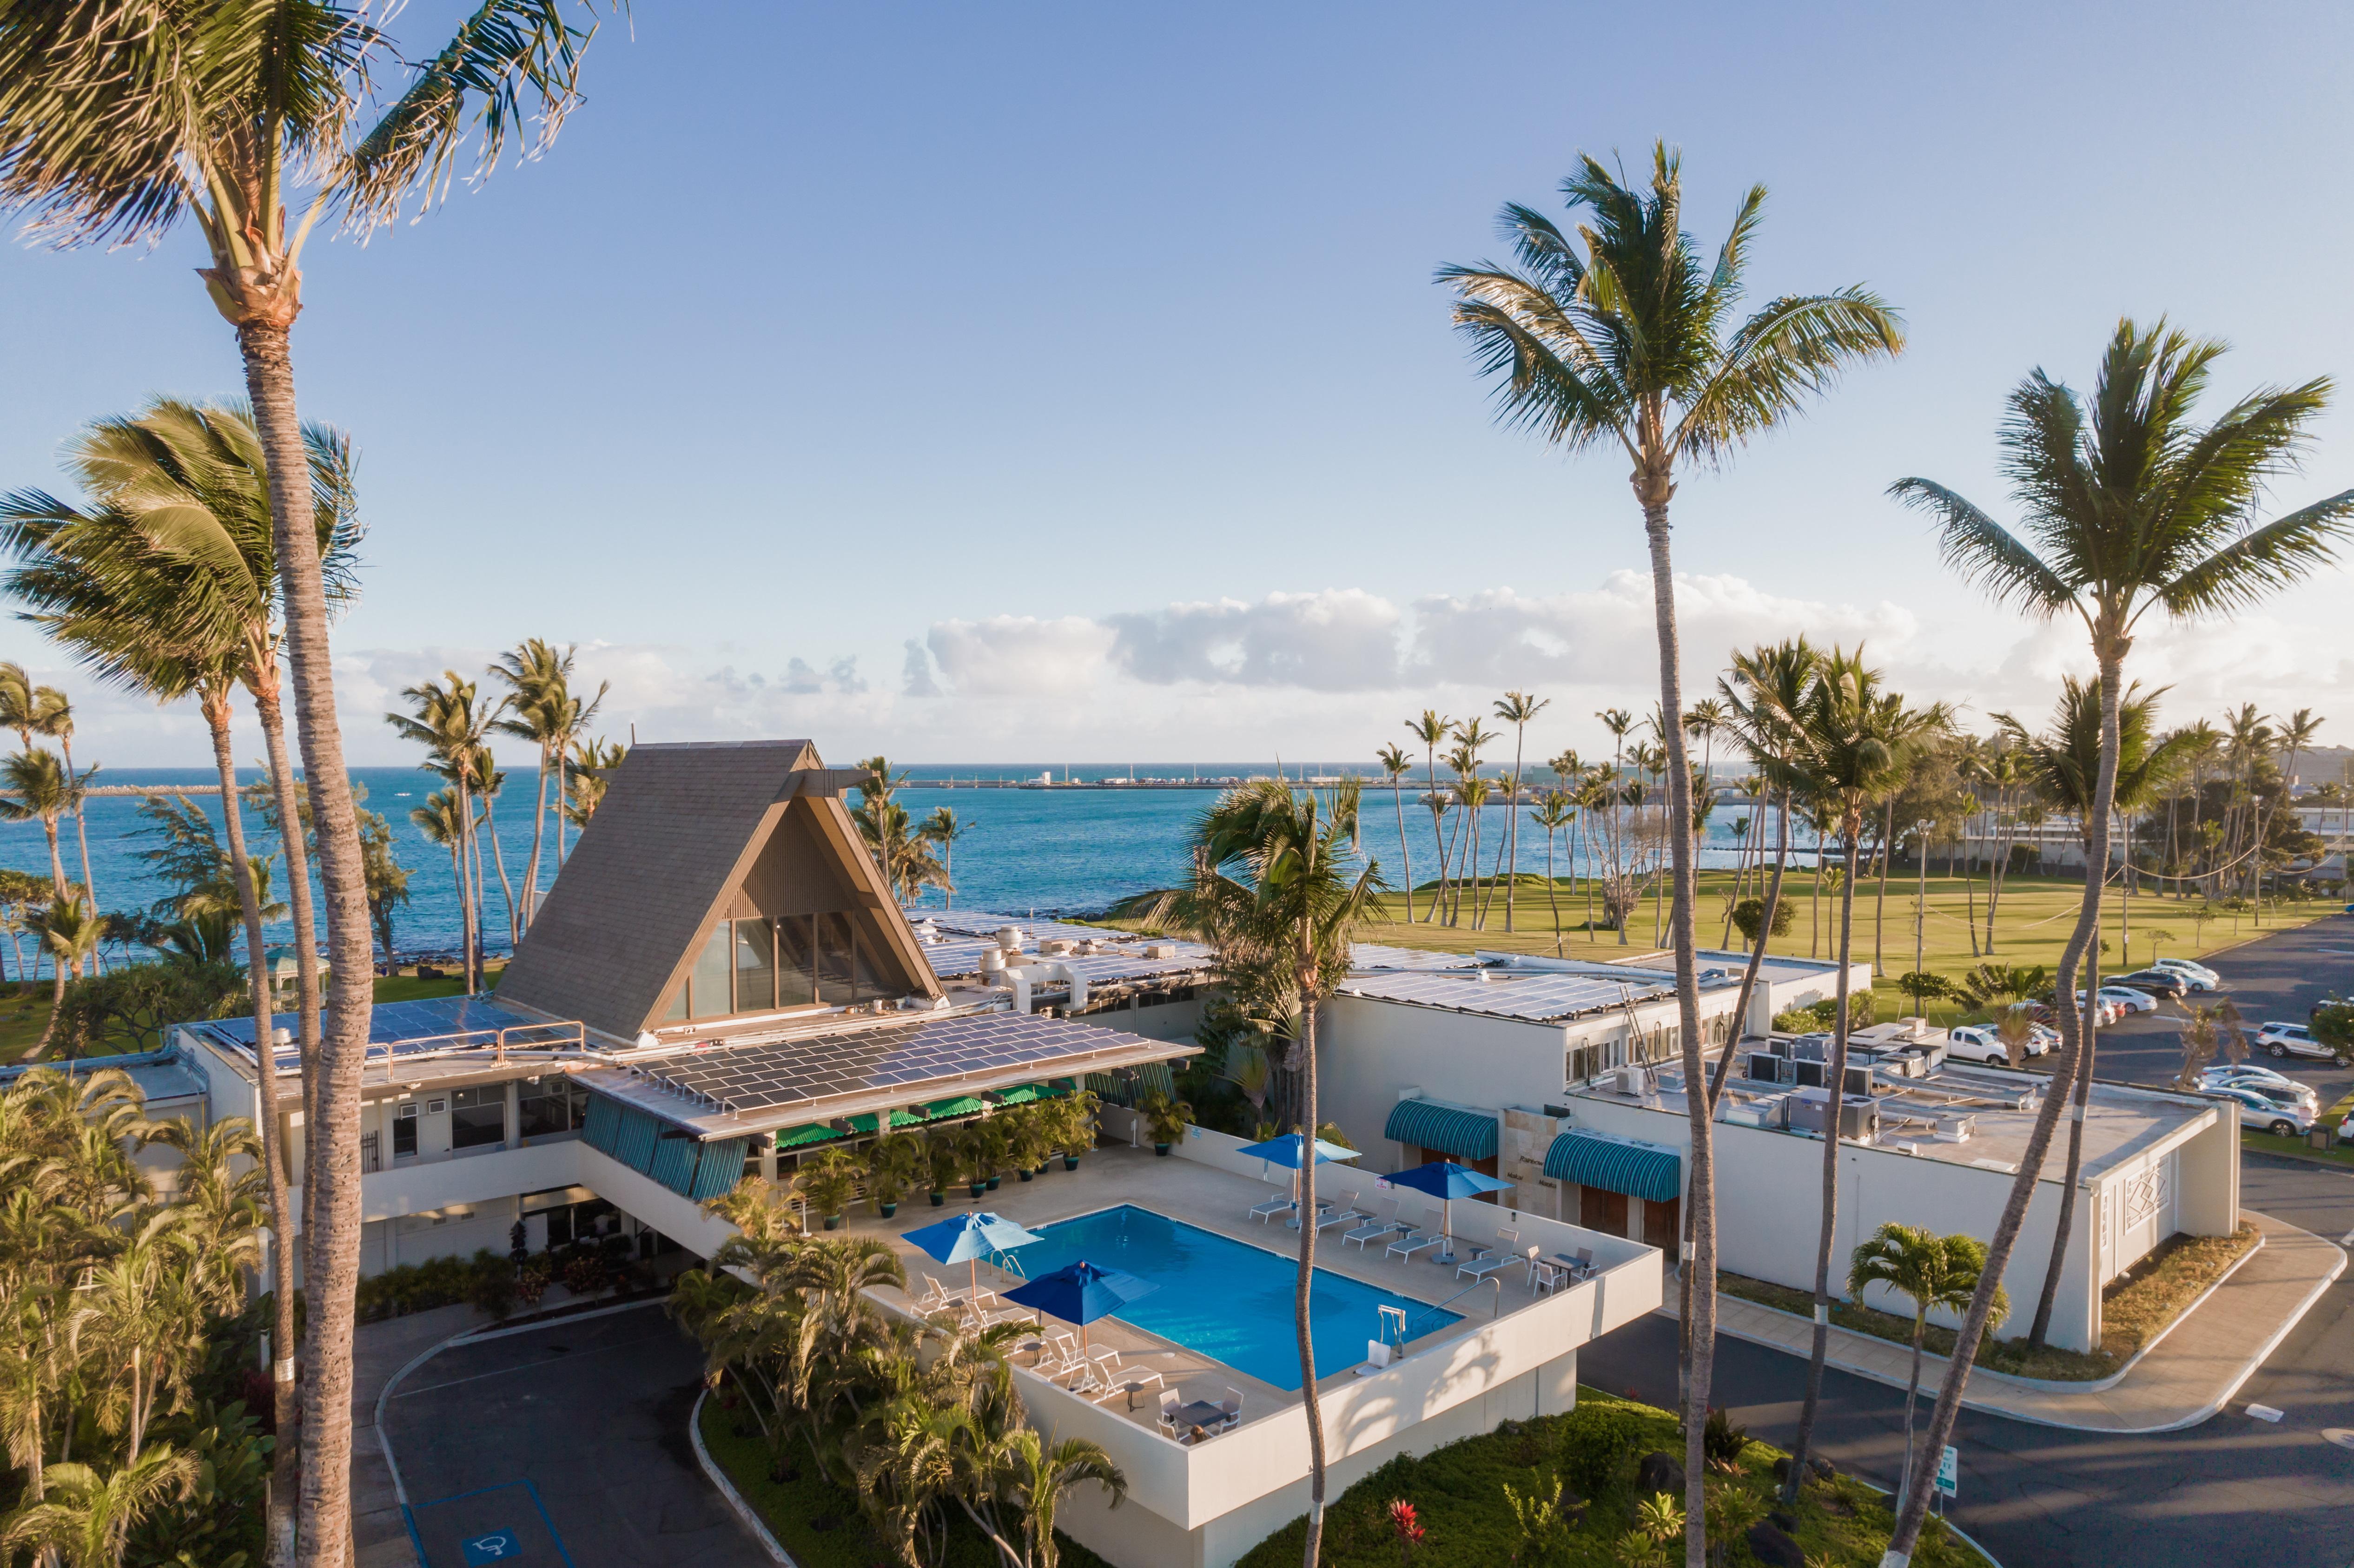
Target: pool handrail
x=1412 y=1330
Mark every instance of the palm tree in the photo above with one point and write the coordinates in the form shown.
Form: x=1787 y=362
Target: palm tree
x=442 y=821
x=2064 y=766
x=52 y=718
x=1516 y=708
x=1628 y=346
x=1853 y=743
x=1032 y=1475
x=1430 y=729
x=592 y=763
x=2128 y=508
x=874 y=807
x=542 y=709
x=86 y=1516
x=104 y=131
x=943 y=829
x=1272 y=890
x=72 y=934
x=2296 y=734
x=1553 y=813
x=446 y=719
x=1930 y=1271
x=1396 y=765
x=39 y=788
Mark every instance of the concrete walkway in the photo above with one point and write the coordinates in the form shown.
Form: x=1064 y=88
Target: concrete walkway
x=2189 y=1374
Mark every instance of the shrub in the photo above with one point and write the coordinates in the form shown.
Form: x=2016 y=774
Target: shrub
x=1750 y=913
x=1824 y=1014
x=1596 y=1440
x=1721 y=1440
x=494 y=1286
x=586 y=1276
x=2333 y=1026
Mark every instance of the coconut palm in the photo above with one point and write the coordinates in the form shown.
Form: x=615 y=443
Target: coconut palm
x=1395 y=766
x=442 y=821
x=71 y=935
x=1515 y=708
x=1032 y=1475
x=592 y=764
x=2064 y=766
x=1553 y=813
x=2296 y=735
x=39 y=790
x=942 y=828
x=1430 y=729
x=53 y=720
x=235 y=114
x=2128 y=508
x=542 y=709
x=1931 y=1272
x=1633 y=345
x=447 y=718
x=88 y=1515
x=1272 y=888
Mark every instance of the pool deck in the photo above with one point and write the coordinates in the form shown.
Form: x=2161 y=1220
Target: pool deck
x=1219 y=1202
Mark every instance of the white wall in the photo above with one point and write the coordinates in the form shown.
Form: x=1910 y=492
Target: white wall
x=1369 y=1051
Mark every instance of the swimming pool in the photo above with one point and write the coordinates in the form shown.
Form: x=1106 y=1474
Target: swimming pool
x=1226 y=1299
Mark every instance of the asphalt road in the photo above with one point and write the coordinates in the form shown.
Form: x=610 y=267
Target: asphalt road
x=2234 y=1490
x=564 y=1447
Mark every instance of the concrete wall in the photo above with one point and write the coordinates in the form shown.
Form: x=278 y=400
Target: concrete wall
x=1370 y=1052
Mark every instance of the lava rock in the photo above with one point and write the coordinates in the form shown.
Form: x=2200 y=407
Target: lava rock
x=1659 y=1473
x=1774 y=1546
x=1823 y=1469
x=1783 y=1519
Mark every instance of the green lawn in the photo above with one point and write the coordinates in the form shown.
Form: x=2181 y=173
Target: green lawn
x=1457 y=1493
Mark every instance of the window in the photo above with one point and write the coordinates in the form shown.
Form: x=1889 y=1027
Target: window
x=756 y=966
x=845 y=971
x=796 y=960
x=550 y=1104
x=478 y=1116
x=676 y=1012
x=404 y=1131
x=709 y=997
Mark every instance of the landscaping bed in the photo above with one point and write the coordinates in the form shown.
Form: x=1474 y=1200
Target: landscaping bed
x=2254 y=1142
x=1457 y=1495
x=2135 y=1307
x=794 y=1510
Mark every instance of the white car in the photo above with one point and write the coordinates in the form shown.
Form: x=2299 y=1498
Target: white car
x=2255 y=1110
x=2132 y=1000
x=2198 y=977
x=1979 y=1043
x=2270 y=1084
x=2291 y=1040
x=2107 y=1010
x=2248 y=1072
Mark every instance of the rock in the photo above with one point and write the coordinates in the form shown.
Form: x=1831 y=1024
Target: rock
x=1783 y=1519
x=1659 y=1473
x=1823 y=1469
x=1774 y=1546
x=1782 y=1469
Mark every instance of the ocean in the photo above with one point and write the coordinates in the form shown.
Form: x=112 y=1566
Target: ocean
x=1026 y=852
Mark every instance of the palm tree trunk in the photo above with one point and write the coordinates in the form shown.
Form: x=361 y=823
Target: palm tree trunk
x=1879 y=899
x=2031 y=1167
x=563 y=800
x=1553 y=892
x=1921 y=900
x=1441 y=817
x=56 y=862
x=1512 y=852
x=516 y=914
x=81 y=830
x=284 y=1468
x=1829 y=1233
x=469 y=912
x=1913 y=1391
x=538 y=829
x=1652 y=490
x=332 y=1255
x=2080 y=1093
x=1405 y=854
x=1306 y=1280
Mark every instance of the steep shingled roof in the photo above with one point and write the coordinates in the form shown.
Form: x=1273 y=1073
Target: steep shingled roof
x=677 y=826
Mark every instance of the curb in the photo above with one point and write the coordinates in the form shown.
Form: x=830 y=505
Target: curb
x=744 y=1510
x=2102 y=1384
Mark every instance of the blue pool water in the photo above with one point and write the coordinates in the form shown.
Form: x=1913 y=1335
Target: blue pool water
x=1228 y=1301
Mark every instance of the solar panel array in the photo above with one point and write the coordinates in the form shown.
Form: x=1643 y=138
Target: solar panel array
x=1531 y=996
x=394 y=1028
x=1125 y=960
x=981 y=923
x=1377 y=956
x=749 y=1077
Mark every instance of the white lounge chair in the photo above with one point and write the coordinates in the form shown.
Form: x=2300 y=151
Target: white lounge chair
x=1373 y=1228
x=1273 y=1206
x=1501 y=1253
x=1408 y=1241
x=1327 y=1218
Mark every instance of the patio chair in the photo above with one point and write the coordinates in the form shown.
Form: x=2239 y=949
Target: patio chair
x=1167 y=1419
x=1233 y=1405
x=1373 y=1227
x=1263 y=1211
x=1409 y=1241
x=1056 y=1351
x=1088 y=1377
x=1326 y=1218
x=1545 y=1278
x=1324 y=1206
x=1501 y=1253
x=1132 y=1383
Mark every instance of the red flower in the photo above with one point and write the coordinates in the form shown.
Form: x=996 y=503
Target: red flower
x=1408 y=1528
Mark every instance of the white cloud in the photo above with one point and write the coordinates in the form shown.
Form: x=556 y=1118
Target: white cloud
x=916 y=673
x=1021 y=655
x=1340 y=639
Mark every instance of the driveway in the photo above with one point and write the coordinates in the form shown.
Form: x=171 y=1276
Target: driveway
x=563 y=1445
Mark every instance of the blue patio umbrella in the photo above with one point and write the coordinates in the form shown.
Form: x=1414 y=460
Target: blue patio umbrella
x=1081 y=1293
x=969 y=1238
x=1289 y=1151
x=1445 y=1181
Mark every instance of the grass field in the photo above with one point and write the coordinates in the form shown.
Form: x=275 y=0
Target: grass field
x=2031 y=924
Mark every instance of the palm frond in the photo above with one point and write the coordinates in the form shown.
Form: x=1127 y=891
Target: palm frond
x=2268 y=559
x=1986 y=553
x=1793 y=349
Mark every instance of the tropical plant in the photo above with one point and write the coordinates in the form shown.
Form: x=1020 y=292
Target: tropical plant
x=540 y=708
x=1272 y=889
x=71 y=935
x=1430 y=729
x=943 y=829
x=1554 y=812
x=1931 y=1272
x=2129 y=507
x=446 y=719
x=828 y=1179
x=1517 y=709
x=1165 y=1117
x=593 y=762
x=893 y=1164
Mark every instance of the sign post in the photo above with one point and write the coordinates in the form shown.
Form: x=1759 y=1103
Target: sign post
x=1949 y=1474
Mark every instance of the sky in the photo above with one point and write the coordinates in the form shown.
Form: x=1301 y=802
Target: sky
x=1068 y=383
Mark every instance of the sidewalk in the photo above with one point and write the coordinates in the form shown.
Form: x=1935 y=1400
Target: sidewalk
x=2185 y=1377
x=378 y=1351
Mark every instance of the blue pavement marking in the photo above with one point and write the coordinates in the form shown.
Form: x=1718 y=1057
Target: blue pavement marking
x=487 y=1528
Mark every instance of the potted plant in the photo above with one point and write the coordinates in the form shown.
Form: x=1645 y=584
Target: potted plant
x=940 y=1163
x=973 y=1158
x=1025 y=1138
x=1165 y=1117
x=1078 y=1111
x=829 y=1181
x=993 y=1151
x=891 y=1170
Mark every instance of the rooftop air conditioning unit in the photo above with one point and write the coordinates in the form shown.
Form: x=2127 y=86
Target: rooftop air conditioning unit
x=1635 y=1081
x=1160 y=950
x=1956 y=1129
x=1769 y=1112
x=1766 y=1067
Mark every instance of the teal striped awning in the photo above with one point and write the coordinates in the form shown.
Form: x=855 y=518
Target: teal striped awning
x=1467 y=1135
x=1615 y=1165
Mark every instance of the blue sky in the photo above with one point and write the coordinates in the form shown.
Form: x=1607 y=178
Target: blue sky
x=1067 y=383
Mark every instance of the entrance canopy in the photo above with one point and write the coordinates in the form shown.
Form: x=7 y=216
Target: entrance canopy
x=1449 y=1129
x=1615 y=1165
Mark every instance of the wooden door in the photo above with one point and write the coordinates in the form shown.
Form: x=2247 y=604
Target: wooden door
x=1602 y=1211
x=1663 y=1225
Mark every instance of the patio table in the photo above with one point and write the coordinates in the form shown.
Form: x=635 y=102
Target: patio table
x=1201 y=1412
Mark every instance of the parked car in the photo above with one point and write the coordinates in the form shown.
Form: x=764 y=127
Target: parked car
x=2130 y=998
x=2291 y=1040
x=2226 y=1072
x=2271 y=1086
x=2157 y=982
x=1979 y=1043
x=2201 y=977
x=2255 y=1110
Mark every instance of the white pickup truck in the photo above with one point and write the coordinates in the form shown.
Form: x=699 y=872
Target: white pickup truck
x=1979 y=1043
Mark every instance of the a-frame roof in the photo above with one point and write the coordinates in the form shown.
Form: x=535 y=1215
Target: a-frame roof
x=678 y=826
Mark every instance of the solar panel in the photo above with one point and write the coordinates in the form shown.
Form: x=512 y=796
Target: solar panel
x=981 y=923
x=1531 y=996
x=394 y=1028
x=754 y=1077
x=1378 y=956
